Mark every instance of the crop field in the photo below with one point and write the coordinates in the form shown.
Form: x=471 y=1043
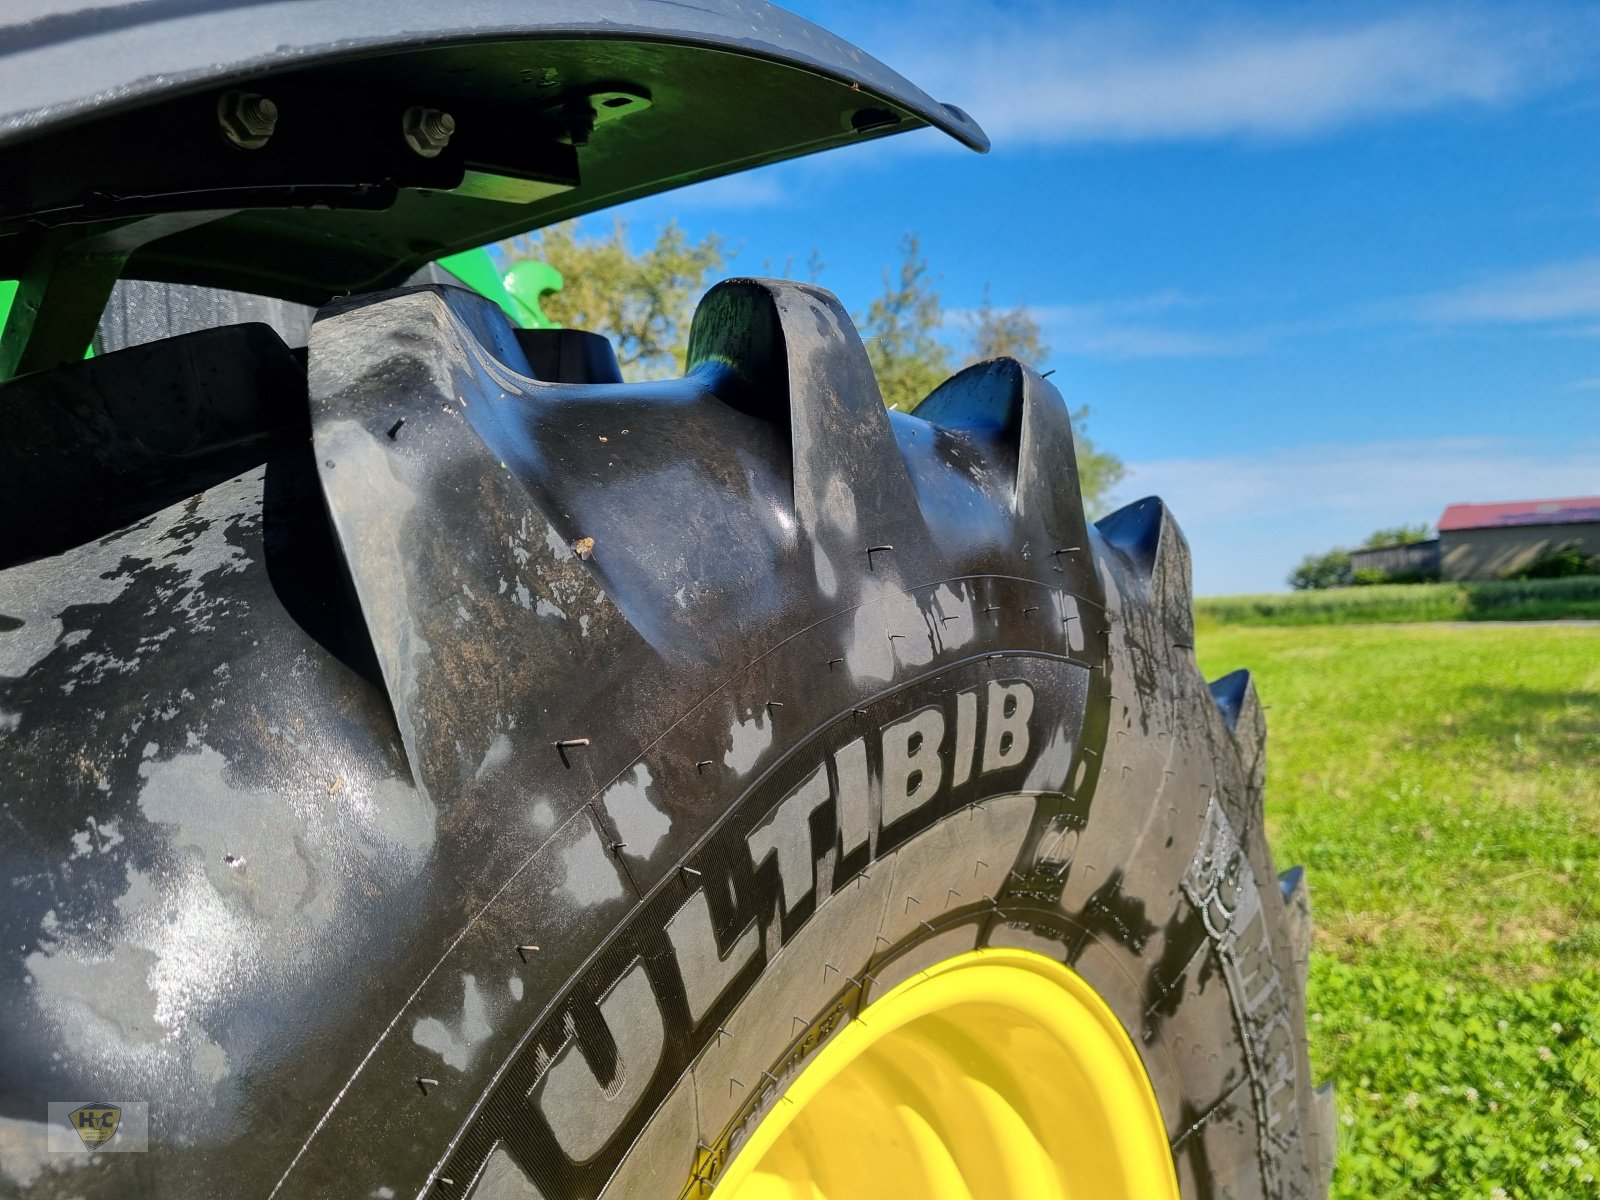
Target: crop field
x=1495 y=600
x=1441 y=784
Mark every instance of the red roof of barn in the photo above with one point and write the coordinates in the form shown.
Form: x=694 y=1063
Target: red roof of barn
x=1520 y=512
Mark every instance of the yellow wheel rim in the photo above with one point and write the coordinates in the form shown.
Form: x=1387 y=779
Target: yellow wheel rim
x=995 y=1075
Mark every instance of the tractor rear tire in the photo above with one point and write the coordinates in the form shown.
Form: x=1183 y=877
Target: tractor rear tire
x=637 y=739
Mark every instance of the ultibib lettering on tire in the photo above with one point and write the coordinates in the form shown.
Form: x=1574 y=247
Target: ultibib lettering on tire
x=833 y=694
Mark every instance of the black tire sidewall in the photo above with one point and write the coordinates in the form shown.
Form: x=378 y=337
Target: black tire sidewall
x=1031 y=855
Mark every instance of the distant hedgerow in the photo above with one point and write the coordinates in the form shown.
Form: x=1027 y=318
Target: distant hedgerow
x=1495 y=600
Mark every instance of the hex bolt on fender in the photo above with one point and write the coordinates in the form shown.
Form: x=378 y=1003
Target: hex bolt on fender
x=247 y=120
x=427 y=130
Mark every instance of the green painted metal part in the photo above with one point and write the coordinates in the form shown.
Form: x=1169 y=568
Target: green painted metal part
x=528 y=283
x=17 y=326
x=518 y=291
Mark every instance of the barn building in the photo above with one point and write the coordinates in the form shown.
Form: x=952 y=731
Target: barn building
x=1406 y=559
x=1489 y=541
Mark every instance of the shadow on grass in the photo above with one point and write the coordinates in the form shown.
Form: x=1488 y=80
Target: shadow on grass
x=1536 y=727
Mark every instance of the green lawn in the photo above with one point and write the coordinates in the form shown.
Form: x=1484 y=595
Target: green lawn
x=1442 y=786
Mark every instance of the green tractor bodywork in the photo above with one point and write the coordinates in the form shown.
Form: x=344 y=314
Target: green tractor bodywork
x=8 y=295
x=519 y=291
x=216 y=146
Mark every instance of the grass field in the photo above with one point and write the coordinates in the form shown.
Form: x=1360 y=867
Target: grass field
x=1442 y=786
x=1495 y=600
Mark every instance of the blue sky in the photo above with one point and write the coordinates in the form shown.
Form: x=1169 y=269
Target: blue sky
x=1316 y=269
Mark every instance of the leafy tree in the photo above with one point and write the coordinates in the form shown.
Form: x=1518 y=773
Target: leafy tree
x=1400 y=535
x=900 y=329
x=814 y=267
x=1098 y=470
x=1322 y=571
x=1010 y=332
x=642 y=301
x=1334 y=569
x=1015 y=333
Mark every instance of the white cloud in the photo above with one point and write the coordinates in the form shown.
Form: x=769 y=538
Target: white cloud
x=1134 y=327
x=1101 y=331
x=1548 y=294
x=1250 y=518
x=1034 y=76
x=748 y=190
